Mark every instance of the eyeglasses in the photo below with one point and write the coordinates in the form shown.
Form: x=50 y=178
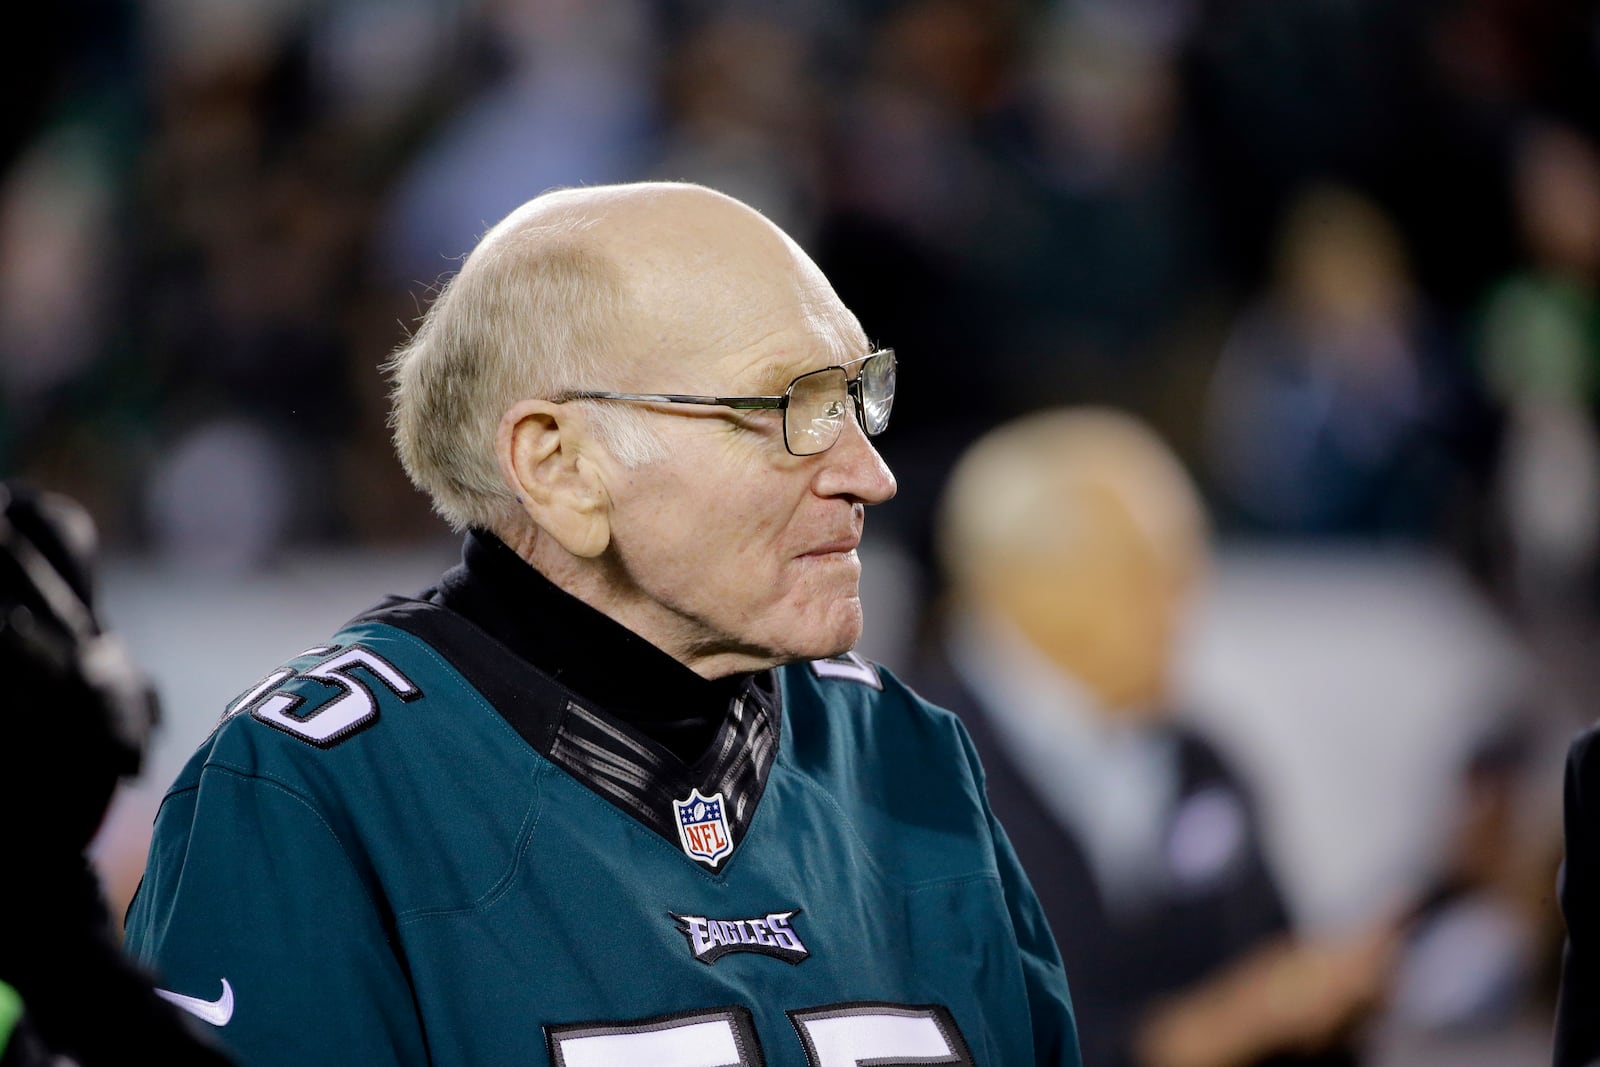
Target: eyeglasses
x=813 y=405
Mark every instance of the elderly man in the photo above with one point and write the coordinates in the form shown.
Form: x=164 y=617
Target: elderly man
x=616 y=791
x=1071 y=539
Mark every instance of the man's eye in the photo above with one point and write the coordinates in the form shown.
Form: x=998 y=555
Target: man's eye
x=760 y=421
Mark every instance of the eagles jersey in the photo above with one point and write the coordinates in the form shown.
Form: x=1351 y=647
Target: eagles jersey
x=410 y=845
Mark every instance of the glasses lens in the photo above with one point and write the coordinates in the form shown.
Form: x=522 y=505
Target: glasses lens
x=877 y=390
x=818 y=406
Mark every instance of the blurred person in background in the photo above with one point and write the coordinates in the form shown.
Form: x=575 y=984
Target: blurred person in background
x=1577 y=1036
x=69 y=143
x=742 y=110
x=616 y=789
x=555 y=94
x=1339 y=407
x=256 y=182
x=1011 y=178
x=1538 y=346
x=1483 y=935
x=1072 y=540
x=80 y=714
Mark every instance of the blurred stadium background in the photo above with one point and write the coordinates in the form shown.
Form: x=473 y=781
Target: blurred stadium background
x=1344 y=254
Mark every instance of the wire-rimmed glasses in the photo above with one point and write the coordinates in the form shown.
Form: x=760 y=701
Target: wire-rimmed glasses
x=813 y=405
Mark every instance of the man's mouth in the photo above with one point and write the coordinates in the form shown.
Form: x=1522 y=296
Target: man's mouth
x=842 y=546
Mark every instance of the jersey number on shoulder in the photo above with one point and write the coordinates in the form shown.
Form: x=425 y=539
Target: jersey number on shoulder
x=835 y=1035
x=353 y=709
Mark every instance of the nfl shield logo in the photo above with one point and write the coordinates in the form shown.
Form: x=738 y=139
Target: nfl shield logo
x=702 y=829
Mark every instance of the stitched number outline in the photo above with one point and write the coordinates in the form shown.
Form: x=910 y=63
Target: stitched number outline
x=354 y=709
x=721 y=1037
x=834 y=1035
x=846 y=1035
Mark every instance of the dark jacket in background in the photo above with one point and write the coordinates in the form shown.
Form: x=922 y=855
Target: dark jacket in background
x=1119 y=965
x=1577 y=1038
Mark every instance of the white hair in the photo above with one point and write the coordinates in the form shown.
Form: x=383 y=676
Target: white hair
x=534 y=311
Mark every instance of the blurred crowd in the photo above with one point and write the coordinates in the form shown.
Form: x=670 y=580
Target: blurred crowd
x=1342 y=252
x=1342 y=255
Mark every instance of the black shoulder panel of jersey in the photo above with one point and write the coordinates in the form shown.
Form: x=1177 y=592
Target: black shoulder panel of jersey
x=532 y=702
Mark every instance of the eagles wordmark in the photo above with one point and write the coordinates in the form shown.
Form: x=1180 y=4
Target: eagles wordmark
x=772 y=935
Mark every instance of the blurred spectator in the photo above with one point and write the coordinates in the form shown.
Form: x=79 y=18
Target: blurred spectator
x=1072 y=539
x=1009 y=179
x=272 y=133
x=742 y=111
x=75 y=87
x=1480 y=944
x=1098 y=121
x=563 y=94
x=1340 y=405
x=59 y=296
x=1539 y=345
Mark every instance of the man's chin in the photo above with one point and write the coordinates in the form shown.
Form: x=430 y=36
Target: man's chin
x=832 y=631
x=844 y=637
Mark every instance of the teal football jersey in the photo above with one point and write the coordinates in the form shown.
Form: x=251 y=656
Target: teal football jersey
x=374 y=859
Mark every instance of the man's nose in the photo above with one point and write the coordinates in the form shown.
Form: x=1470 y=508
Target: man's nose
x=853 y=468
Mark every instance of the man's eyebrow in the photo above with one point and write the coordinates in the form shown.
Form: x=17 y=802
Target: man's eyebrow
x=783 y=369
x=776 y=376
x=782 y=376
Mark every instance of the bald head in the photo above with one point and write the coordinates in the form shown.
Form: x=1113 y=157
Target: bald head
x=1082 y=529
x=691 y=261
x=609 y=287
x=1036 y=486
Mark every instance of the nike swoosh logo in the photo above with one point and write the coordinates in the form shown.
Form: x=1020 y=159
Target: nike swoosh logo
x=216 y=1012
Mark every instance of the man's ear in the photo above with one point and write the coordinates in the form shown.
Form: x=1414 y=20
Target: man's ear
x=542 y=447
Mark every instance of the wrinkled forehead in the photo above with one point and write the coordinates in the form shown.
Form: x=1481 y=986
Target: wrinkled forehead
x=797 y=326
x=829 y=332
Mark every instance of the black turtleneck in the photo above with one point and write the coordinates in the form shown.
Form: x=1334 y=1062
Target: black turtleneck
x=588 y=652
x=615 y=712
